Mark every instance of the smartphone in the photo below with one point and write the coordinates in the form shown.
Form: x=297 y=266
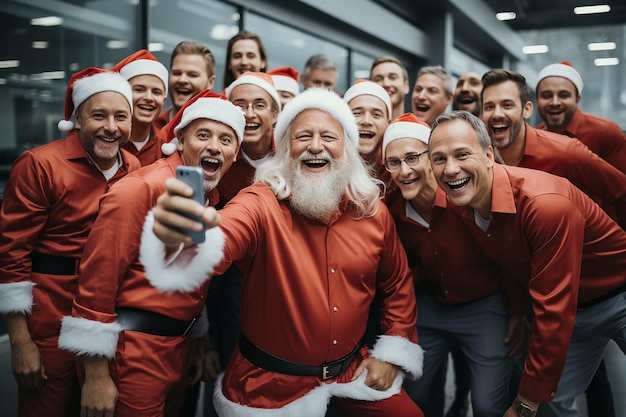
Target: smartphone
x=193 y=177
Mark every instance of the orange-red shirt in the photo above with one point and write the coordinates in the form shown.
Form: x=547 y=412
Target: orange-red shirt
x=555 y=240
x=151 y=150
x=602 y=136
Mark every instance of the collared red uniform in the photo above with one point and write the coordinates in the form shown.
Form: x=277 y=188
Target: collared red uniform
x=49 y=206
x=151 y=150
x=460 y=295
x=604 y=137
x=306 y=295
x=556 y=241
x=569 y=158
x=112 y=275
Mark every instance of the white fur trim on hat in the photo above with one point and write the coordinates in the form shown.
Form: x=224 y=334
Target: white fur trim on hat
x=215 y=109
x=313 y=404
x=146 y=67
x=259 y=82
x=86 y=87
x=16 y=297
x=401 y=130
x=321 y=99
x=89 y=337
x=565 y=71
x=400 y=352
x=170 y=147
x=368 y=88
x=174 y=277
x=284 y=83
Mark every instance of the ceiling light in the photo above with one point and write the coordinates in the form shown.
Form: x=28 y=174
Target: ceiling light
x=47 y=21
x=117 y=44
x=506 y=16
x=602 y=62
x=48 y=75
x=223 y=32
x=535 y=49
x=39 y=45
x=10 y=63
x=601 y=46
x=599 y=8
x=156 y=47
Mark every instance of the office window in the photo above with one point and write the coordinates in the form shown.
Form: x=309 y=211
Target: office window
x=43 y=47
x=287 y=46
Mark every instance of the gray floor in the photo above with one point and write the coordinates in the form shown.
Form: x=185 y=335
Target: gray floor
x=615 y=362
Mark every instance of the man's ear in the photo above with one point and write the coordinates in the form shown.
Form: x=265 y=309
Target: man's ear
x=528 y=110
x=181 y=139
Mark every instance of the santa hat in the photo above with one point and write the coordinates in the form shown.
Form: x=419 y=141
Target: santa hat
x=142 y=62
x=85 y=84
x=363 y=87
x=260 y=79
x=563 y=69
x=204 y=105
x=406 y=126
x=285 y=79
x=321 y=99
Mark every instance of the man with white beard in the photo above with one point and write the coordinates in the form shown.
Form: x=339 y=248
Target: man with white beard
x=315 y=244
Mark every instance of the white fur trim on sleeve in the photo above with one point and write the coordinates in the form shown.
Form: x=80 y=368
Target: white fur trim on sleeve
x=400 y=352
x=16 y=297
x=89 y=337
x=174 y=276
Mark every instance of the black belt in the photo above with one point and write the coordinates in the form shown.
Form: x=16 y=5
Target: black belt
x=54 y=265
x=145 y=321
x=610 y=294
x=269 y=362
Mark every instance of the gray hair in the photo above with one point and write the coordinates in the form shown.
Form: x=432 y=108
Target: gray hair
x=441 y=72
x=475 y=122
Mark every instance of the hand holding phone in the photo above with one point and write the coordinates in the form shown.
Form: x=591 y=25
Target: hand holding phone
x=192 y=176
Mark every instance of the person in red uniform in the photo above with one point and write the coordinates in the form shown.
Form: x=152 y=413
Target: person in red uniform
x=488 y=327
x=506 y=105
x=559 y=90
x=315 y=244
x=50 y=204
x=130 y=325
x=550 y=237
x=371 y=107
x=148 y=79
x=192 y=70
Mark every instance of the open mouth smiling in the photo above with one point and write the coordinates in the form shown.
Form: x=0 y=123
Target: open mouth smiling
x=456 y=185
x=210 y=165
x=316 y=163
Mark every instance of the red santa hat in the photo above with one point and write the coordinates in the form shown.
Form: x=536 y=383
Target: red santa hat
x=260 y=79
x=366 y=87
x=563 y=69
x=321 y=99
x=285 y=79
x=204 y=105
x=142 y=62
x=85 y=84
x=406 y=126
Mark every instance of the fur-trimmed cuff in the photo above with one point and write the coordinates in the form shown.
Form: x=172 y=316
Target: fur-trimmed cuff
x=400 y=352
x=16 y=297
x=313 y=404
x=89 y=337
x=174 y=276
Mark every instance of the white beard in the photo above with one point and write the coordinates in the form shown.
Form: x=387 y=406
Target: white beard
x=316 y=196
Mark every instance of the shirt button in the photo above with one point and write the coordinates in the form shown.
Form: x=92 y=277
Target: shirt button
x=332 y=270
x=488 y=234
x=334 y=341
x=335 y=308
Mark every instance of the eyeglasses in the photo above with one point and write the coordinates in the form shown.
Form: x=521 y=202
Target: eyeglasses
x=257 y=107
x=393 y=164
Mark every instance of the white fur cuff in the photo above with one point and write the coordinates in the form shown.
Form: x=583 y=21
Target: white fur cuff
x=400 y=352
x=16 y=297
x=89 y=337
x=175 y=276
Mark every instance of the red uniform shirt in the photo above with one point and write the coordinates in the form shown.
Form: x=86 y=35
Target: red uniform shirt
x=556 y=241
x=602 y=136
x=151 y=150
x=569 y=158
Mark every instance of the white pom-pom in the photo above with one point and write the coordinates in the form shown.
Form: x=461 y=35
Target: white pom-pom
x=169 y=148
x=65 y=125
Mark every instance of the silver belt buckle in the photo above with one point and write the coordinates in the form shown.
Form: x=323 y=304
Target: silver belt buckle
x=325 y=372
